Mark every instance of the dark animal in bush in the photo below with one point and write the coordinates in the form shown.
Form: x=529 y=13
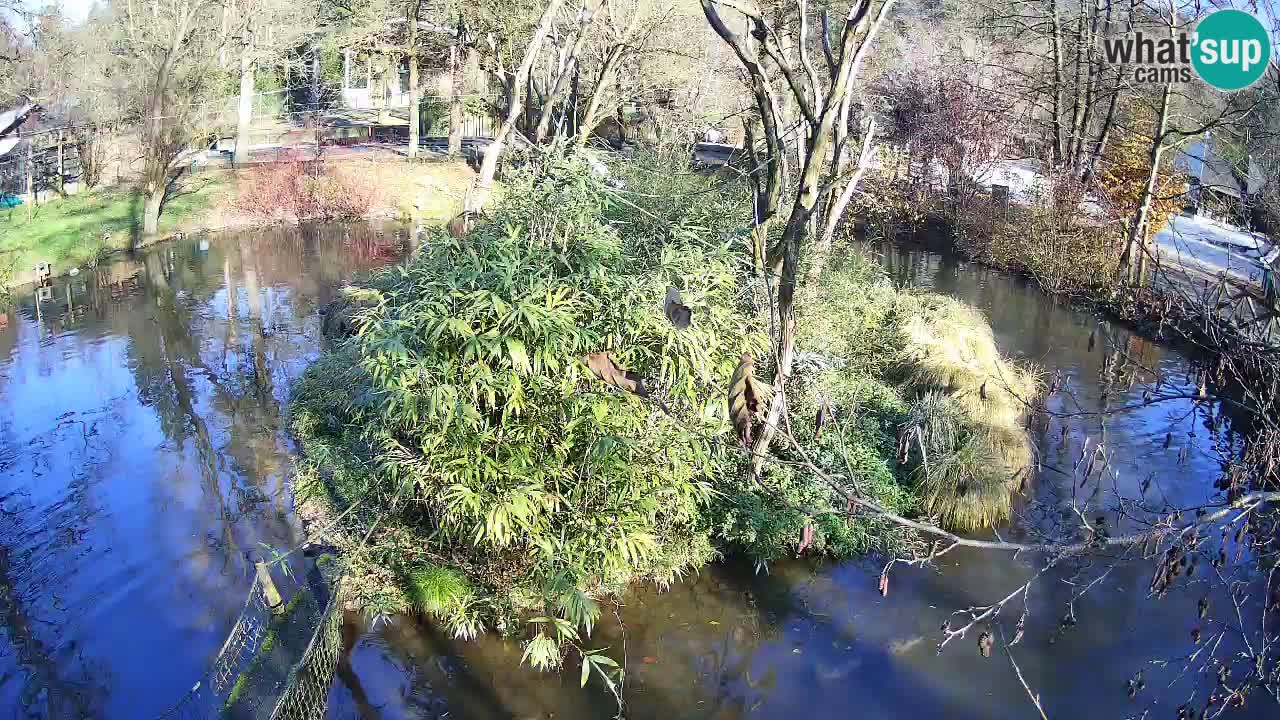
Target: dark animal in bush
x=677 y=312
x=335 y=323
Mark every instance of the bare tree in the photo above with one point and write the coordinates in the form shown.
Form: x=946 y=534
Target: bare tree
x=622 y=28
x=478 y=195
x=820 y=99
x=265 y=32
x=172 y=42
x=564 y=68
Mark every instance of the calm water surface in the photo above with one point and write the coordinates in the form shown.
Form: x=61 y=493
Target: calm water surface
x=143 y=458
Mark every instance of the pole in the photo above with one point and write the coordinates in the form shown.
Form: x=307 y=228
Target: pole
x=269 y=591
x=62 y=190
x=31 y=178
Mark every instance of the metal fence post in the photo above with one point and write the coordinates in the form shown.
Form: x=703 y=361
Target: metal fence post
x=274 y=601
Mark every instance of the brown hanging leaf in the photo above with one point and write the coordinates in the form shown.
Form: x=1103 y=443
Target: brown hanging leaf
x=677 y=312
x=806 y=539
x=985 y=641
x=824 y=413
x=602 y=366
x=884 y=584
x=746 y=397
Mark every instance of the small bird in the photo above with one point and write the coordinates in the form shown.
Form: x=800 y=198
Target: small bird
x=1092 y=339
x=985 y=641
x=1204 y=607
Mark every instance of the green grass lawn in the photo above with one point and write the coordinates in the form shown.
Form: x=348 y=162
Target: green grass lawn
x=70 y=231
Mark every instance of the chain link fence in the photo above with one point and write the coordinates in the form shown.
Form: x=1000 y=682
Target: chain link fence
x=305 y=690
x=206 y=696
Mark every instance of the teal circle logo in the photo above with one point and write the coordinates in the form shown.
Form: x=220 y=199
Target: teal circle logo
x=1232 y=49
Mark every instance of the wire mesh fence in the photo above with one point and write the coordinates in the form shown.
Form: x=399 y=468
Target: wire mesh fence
x=304 y=692
x=203 y=699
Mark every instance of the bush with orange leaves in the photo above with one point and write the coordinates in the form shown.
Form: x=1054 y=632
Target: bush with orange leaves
x=1122 y=179
x=297 y=189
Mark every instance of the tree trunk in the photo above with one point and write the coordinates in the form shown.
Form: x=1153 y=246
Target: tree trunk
x=1077 y=89
x=1104 y=133
x=31 y=178
x=1136 y=241
x=62 y=166
x=482 y=188
x=244 y=118
x=151 y=210
x=842 y=201
x=415 y=118
x=455 y=101
x=569 y=120
x=605 y=82
x=315 y=78
x=1056 y=99
x=560 y=86
x=530 y=94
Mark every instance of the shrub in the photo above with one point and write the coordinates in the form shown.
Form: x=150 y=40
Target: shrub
x=297 y=189
x=964 y=433
x=876 y=361
x=894 y=360
x=1055 y=236
x=466 y=405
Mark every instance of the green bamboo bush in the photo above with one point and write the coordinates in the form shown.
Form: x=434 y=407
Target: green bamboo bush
x=463 y=415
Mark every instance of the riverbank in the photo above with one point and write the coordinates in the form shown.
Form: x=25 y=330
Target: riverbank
x=85 y=229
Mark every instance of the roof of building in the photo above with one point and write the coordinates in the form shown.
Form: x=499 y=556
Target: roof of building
x=9 y=122
x=1201 y=161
